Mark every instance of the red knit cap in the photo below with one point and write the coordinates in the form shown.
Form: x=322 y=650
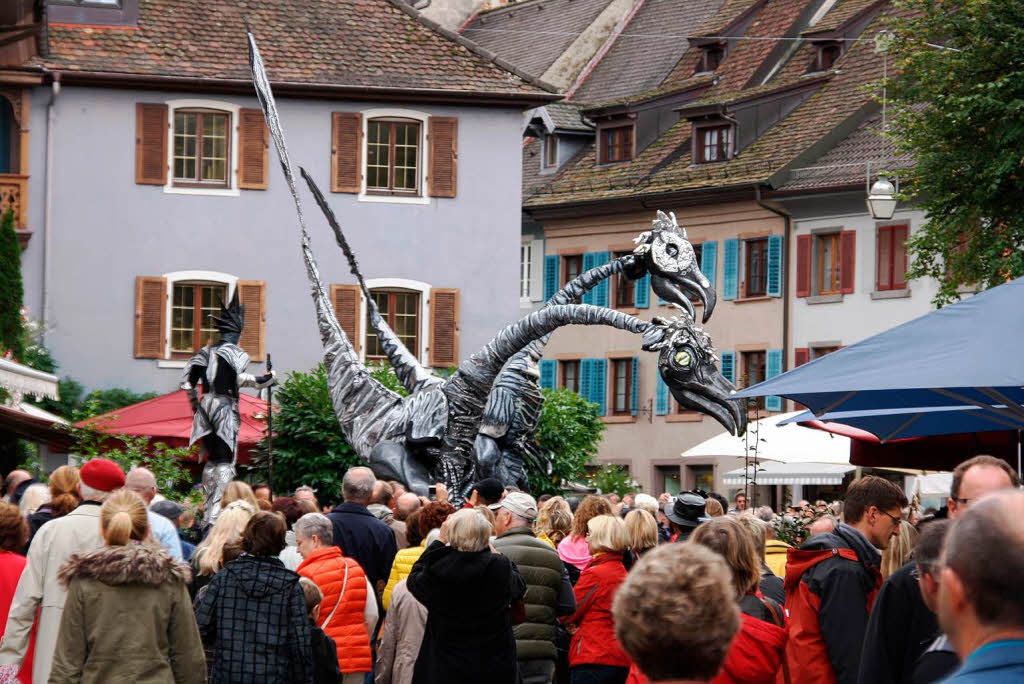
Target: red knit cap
x=102 y=474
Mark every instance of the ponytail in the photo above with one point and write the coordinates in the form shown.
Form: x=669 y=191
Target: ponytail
x=123 y=518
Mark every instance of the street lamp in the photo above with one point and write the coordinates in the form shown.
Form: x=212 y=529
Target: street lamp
x=882 y=199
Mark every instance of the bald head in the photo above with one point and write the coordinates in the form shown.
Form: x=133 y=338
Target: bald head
x=357 y=485
x=142 y=482
x=405 y=505
x=15 y=478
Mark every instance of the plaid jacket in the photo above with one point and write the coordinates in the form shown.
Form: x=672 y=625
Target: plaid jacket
x=253 y=614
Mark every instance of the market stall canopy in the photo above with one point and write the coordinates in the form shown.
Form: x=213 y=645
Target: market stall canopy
x=168 y=419
x=771 y=473
x=20 y=380
x=777 y=442
x=34 y=424
x=954 y=370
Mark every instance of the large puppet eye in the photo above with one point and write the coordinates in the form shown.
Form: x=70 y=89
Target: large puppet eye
x=672 y=250
x=684 y=358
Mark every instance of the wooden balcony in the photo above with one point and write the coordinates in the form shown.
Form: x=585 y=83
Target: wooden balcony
x=14 y=195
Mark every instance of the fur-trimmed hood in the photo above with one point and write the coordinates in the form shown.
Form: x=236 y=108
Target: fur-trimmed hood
x=131 y=564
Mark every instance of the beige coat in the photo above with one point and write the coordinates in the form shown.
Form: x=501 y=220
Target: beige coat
x=401 y=638
x=53 y=545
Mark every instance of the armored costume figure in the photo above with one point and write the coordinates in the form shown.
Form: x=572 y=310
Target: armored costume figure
x=220 y=368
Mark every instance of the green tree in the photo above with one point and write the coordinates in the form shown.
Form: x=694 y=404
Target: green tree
x=959 y=110
x=611 y=478
x=569 y=432
x=12 y=330
x=309 y=447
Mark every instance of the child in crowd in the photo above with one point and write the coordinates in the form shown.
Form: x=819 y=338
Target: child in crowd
x=325 y=652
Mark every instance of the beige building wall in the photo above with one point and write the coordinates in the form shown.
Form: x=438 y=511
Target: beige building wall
x=651 y=444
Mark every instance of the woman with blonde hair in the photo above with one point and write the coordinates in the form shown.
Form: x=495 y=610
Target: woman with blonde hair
x=208 y=558
x=713 y=508
x=554 y=521
x=63 y=499
x=96 y=643
x=574 y=550
x=642 y=531
x=758 y=651
x=238 y=490
x=594 y=653
x=897 y=553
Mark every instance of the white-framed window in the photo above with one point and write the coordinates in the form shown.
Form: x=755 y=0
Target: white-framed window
x=550 y=151
x=201 y=150
x=394 y=156
x=526 y=266
x=191 y=297
x=404 y=304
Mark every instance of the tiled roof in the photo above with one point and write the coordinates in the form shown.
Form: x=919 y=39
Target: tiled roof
x=532 y=149
x=533 y=34
x=729 y=12
x=665 y=166
x=364 y=44
x=566 y=115
x=846 y=163
x=639 y=60
x=842 y=13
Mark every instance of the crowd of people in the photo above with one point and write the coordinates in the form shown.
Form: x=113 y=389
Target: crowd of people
x=104 y=580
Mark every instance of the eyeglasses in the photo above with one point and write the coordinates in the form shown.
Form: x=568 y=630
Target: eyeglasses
x=896 y=519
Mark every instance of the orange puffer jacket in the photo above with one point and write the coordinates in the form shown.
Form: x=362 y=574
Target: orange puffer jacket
x=343 y=584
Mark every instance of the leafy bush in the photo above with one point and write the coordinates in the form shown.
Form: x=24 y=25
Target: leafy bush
x=12 y=331
x=611 y=478
x=570 y=432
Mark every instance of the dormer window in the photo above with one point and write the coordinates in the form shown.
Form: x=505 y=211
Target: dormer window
x=711 y=56
x=551 y=151
x=828 y=53
x=713 y=143
x=615 y=144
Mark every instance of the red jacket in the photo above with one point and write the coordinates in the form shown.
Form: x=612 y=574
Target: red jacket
x=594 y=641
x=11 y=566
x=755 y=656
x=831 y=583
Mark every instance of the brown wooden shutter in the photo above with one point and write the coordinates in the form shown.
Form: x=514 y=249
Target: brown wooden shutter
x=848 y=260
x=253 y=150
x=803 y=265
x=444 y=327
x=801 y=355
x=899 y=260
x=150 y=143
x=252 y=294
x=346 y=300
x=150 y=299
x=346 y=151
x=443 y=172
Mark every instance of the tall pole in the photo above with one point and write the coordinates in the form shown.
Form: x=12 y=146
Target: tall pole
x=270 y=426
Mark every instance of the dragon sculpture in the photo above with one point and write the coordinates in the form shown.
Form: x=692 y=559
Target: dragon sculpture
x=431 y=435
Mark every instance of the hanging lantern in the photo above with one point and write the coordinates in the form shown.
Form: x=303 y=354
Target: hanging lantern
x=882 y=199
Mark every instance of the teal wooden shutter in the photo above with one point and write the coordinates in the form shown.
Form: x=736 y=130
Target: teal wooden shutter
x=731 y=269
x=547 y=373
x=598 y=383
x=709 y=260
x=774 y=266
x=588 y=263
x=634 y=390
x=601 y=291
x=642 y=292
x=585 y=378
x=728 y=368
x=773 y=367
x=550 y=276
x=661 y=399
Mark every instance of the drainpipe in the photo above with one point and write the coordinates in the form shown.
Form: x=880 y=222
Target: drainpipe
x=51 y=121
x=787 y=219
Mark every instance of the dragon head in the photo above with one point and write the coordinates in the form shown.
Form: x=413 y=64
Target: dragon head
x=669 y=257
x=688 y=365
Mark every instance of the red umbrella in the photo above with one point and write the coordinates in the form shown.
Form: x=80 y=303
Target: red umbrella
x=168 y=419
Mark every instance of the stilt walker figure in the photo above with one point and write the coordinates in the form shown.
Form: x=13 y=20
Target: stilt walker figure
x=220 y=368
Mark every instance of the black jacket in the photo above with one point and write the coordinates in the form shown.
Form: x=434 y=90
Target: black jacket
x=468 y=635
x=325 y=657
x=254 y=615
x=359 y=535
x=900 y=629
x=771 y=586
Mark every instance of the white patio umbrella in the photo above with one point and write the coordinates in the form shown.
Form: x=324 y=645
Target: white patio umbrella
x=781 y=443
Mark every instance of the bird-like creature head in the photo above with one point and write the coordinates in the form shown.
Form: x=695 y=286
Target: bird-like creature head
x=672 y=263
x=231 y=320
x=688 y=365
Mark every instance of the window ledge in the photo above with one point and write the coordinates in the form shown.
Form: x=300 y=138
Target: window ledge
x=393 y=199
x=618 y=419
x=692 y=417
x=759 y=298
x=212 y=192
x=891 y=294
x=825 y=299
x=171 y=363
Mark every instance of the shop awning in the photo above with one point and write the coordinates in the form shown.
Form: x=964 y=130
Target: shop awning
x=20 y=380
x=771 y=473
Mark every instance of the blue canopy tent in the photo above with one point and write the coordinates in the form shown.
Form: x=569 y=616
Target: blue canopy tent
x=955 y=370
